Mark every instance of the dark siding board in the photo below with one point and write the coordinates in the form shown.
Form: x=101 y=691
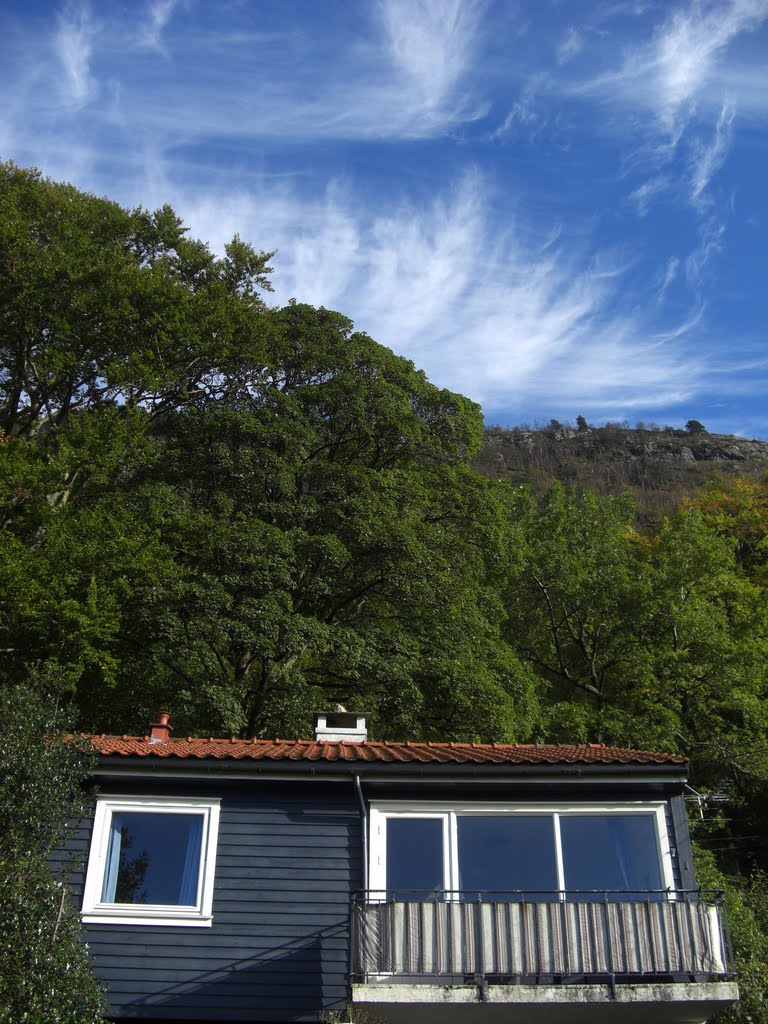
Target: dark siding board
x=308 y=841
x=678 y=817
x=235 y=950
x=295 y=825
x=301 y=860
x=278 y=947
x=257 y=885
x=299 y=819
x=239 y=981
x=673 y=841
x=235 y=931
x=264 y=869
x=277 y=952
x=234 y=955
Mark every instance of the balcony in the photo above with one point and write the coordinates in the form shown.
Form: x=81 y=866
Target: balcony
x=554 y=956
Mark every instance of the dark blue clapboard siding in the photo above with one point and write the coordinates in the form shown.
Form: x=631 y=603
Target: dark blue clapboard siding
x=278 y=950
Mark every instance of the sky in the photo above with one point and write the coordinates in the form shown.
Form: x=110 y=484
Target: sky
x=555 y=207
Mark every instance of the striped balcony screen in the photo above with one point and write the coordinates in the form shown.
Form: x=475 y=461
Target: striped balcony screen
x=549 y=938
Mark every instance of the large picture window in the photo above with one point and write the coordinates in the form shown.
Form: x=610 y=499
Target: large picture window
x=152 y=861
x=540 y=852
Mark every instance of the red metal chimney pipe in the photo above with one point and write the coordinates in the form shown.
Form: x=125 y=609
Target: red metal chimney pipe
x=161 y=729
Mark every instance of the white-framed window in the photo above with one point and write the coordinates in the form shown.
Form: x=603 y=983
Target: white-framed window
x=152 y=861
x=542 y=850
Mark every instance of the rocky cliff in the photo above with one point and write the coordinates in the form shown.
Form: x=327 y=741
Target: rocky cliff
x=660 y=465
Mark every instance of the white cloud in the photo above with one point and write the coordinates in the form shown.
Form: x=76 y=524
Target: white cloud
x=686 y=80
x=430 y=43
x=708 y=159
x=73 y=46
x=710 y=243
x=670 y=274
x=401 y=72
x=645 y=194
x=571 y=46
x=490 y=311
x=683 y=68
x=684 y=54
x=159 y=13
x=524 y=111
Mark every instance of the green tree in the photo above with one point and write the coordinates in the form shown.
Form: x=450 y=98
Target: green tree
x=695 y=427
x=656 y=639
x=709 y=629
x=328 y=540
x=102 y=305
x=45 y=971
x=232 y=509
x=576 y=612
x=747 y=907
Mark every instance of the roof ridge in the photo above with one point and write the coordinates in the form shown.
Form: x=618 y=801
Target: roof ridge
x=386 y=751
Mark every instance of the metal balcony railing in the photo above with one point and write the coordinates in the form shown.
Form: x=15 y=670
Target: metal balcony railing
x=540 y=936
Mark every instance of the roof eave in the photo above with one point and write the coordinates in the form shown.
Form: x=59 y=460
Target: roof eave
x=120 y=764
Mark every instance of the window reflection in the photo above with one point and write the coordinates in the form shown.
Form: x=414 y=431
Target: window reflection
x=611 y=851
x=153 y=859
x=415 y=856
x=525 y=855
x=503 y=853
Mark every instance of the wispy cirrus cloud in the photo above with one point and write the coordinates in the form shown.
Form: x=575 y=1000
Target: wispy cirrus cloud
x=493 y=312
x=644 y=195
x=709 y=158
x=399 y=72
x=73 y=47
x=669 y=276
x=685 y=85
x=571 y=45
x=711 y=235
x=525 y=112
x=682 y=70
x=158 y=15
x=683 y=60
x=431 y=44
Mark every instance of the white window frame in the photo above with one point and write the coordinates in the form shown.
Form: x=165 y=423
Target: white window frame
x=381 y=812
x=95 y=911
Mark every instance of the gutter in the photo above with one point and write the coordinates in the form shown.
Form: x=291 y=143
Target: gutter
x=339 y=771
x=364 y=822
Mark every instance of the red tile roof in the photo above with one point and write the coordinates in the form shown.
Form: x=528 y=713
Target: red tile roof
x=388 y=753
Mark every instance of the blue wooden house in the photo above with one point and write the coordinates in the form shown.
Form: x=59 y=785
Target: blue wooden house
x=342 y=879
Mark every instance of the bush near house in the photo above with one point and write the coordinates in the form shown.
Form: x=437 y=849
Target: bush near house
x=45 y=971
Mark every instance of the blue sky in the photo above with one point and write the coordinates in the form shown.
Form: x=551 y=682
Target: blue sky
x=556 y=208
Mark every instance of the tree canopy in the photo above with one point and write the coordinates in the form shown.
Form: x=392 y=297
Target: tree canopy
x=242 y=513
x=232 y=509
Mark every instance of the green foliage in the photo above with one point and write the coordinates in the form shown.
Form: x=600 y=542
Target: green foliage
x=243 y=513
x=45 y=972
x=695 y=427
x=576 y=613
x=103 y=305
x=656 y=640
x=325 y=538
x=232 y=510
x=747 y=908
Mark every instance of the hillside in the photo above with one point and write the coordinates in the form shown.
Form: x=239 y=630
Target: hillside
x=661 y=465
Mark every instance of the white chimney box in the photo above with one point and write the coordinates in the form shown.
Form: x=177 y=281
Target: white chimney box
x=341 y=726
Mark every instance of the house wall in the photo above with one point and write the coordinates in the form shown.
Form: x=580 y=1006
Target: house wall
x=289 y=856
x=278 y=948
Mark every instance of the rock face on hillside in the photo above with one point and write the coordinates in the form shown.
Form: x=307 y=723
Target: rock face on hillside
x=661 y=466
